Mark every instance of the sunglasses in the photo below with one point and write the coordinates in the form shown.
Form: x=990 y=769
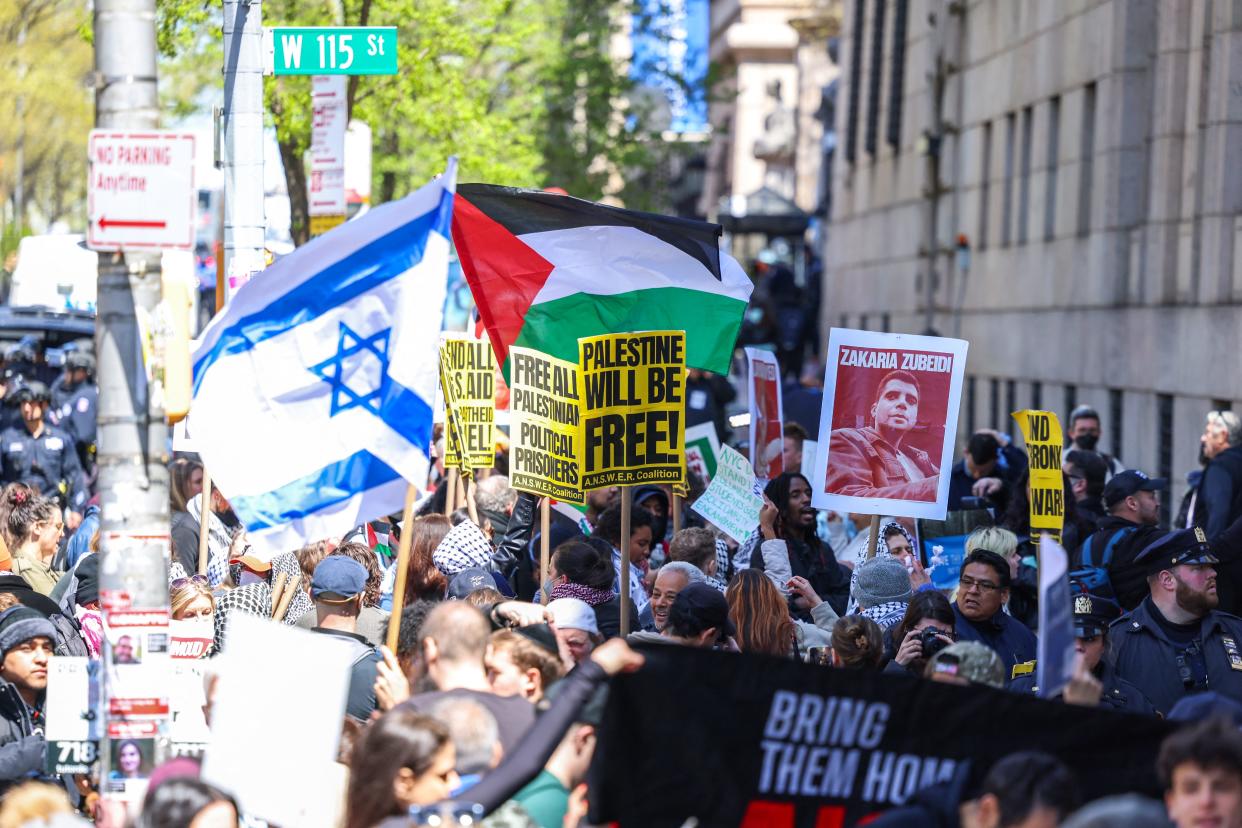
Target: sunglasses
x=178 y=583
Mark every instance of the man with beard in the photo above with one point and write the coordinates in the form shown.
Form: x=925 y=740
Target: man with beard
x=1175 y=642
x=873 y=461
x=1133 y=503
x=787 y=529
x=1083 y=431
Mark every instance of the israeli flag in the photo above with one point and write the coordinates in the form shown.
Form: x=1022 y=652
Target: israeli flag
x=313 y=388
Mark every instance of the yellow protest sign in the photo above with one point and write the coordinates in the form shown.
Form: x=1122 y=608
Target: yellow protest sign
x=468 y=378
x=1042 y=432
x=545 y=426
x=633 y=407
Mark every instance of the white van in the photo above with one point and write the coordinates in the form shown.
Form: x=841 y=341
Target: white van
x=56 y=272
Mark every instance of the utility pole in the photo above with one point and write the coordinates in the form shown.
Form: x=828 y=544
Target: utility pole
x=133 y=437
x=242 y=127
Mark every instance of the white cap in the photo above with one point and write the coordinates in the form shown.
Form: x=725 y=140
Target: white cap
x=573 y=614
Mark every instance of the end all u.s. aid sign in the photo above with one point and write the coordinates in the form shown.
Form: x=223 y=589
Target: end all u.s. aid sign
x=331 y=50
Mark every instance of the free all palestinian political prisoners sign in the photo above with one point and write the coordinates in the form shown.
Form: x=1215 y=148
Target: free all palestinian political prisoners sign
x=545 y=433
x=633 y=408
x=888 y=423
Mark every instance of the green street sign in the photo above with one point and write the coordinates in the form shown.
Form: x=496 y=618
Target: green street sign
x=335 y=50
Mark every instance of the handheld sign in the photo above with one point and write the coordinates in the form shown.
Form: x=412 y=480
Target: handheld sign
x=633 y=405
x=766 y=414
x=1055 y=654
x=1042 y=432
x=468 y=373
x=730 y=501
x=545 y=426
x=702 y=448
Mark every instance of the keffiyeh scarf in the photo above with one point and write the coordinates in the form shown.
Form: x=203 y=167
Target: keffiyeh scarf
x=464 y=547
x=881 y=551
x=218 y=541
x=886 y=615
x=256 y=599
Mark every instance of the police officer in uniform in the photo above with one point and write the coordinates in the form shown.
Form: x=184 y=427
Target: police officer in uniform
x=75 y=402
x=42 y=455
x=1175 y=642
x=1092 y=615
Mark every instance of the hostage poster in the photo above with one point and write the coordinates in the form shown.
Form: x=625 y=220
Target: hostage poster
x=751 y=740
x=888 y=423
x=766 y=414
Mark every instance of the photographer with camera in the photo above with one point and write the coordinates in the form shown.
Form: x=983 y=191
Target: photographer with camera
x=926 y=629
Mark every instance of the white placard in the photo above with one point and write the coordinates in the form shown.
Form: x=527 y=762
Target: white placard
x=140 y=192
x=730 y=501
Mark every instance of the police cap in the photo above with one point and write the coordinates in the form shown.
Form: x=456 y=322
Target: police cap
x=75 y=360
x=27 y=391
x=1093 y=614
x=1185 y=546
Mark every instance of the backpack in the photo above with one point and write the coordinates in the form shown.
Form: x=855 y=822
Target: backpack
x=1092 y=576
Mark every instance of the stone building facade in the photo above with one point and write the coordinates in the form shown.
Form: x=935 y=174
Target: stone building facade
x=1088 y=156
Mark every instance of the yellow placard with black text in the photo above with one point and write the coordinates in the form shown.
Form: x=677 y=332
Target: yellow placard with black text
x=1042 y=432
x=633 y=408
x=468 y=379
x=545 y=426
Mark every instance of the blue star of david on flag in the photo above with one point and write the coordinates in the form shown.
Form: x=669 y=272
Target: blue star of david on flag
x=356 y=358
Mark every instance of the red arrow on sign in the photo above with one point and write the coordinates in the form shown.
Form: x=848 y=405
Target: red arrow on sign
x=105 y=223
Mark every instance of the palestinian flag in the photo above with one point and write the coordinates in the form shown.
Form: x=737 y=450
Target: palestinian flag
x=546 y=269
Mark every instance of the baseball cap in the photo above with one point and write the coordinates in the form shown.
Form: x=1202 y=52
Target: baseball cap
x=573 y=614
x=1128 y=483
x=338 y=579
x=468 y=580
x=253 y=563
x=972 y=660
x=1185 y=546
x=540 y=634
x=700 y=606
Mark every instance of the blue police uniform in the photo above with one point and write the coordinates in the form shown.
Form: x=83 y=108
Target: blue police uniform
x=48 y=463
x=1007 y=636
x=75 y=410
x=1167 y=661
x=1118 y=693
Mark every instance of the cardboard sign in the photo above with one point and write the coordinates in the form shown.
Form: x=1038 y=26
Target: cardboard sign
x=730 y=501
x=633 y=408
x=887 y=424
x=468 y=377
x=545 y=426
x=1042 y=432
x=702 y=449
x=767 y=415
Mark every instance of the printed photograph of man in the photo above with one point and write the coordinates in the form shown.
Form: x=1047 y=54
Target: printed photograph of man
x=876 y=460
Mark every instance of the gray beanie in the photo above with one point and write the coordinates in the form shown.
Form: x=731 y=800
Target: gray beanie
x=881 y=580
x=18 y=624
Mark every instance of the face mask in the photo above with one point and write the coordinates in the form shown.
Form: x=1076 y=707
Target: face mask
x=1086 y=442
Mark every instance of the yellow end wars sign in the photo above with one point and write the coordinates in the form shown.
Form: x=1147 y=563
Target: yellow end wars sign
x=468 y=376
x=545 y=426
x=633 y=407
x=1042 y=432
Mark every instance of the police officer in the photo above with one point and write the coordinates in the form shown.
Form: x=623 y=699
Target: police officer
x=1092 y=615
x=75 y=402
x=42 y=455
x=1175 y=642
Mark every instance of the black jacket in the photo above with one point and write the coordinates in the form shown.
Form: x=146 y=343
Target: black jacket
x=819 y=566
x=1145 y=656
x=22 y=749
x=1128 y=580
x=1118 y=694
x=1220 y=491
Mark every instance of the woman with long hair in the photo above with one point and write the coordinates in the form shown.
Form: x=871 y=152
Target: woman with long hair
x=185 y=481
x=422 y=579
x=36 y=526
x=788 y=533
x=760 y=614
x=927 y=627
x=403 y=759
x=191 y=598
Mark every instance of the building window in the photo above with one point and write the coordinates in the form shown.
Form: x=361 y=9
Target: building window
x=1050 y=190
x=897 y=73
x=1024 y=190
x=1071 y=399
x=876 y=69
x=855 y=82
x=1037 y=396
x=886 y=322
x=1086 y=159
x=985 y=186
x=971 y=400
x=1116 y=398
x=1011 y=128
x=995 y=406
x=862 y=323
x=1164 y=445
x=1011 y=402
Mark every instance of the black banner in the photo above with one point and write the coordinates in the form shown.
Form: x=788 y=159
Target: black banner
x=738 y=740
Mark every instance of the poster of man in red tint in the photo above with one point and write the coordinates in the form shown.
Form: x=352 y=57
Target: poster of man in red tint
x=766 y=417
x=889 y=421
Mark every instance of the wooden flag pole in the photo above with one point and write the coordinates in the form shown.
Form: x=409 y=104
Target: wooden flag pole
x=675 y=505
x=471 y=507
x=450 y=494
x=278 y=590
x=545 y=546
x=204 y=522
x=625 y=561
x=873 y=536
x=291 y=588
x=460 y=491
x=403 y=565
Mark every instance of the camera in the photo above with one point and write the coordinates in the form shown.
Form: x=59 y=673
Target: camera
x=931 y=641
x=971 y=502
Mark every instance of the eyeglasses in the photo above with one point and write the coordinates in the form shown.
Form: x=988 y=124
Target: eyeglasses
x=178 y=583
x=966 y=583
